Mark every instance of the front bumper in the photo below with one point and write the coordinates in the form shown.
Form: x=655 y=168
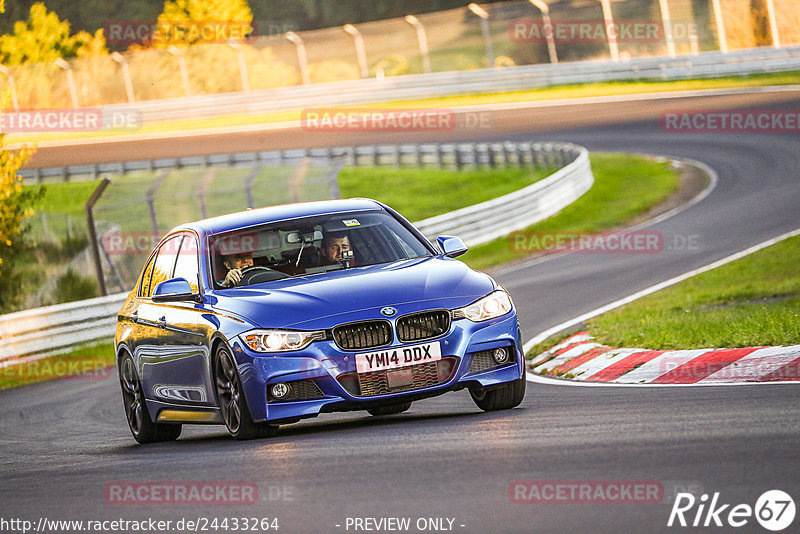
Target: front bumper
x=333 y=371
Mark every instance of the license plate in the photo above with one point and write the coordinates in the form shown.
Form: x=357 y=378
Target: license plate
x=397 y=357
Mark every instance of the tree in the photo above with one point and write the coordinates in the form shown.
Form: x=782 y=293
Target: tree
x=15 y=206
x=185 y=22
x=43 y=37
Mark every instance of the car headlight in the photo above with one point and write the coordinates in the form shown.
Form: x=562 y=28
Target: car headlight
x=279 y=340
x=492 y=305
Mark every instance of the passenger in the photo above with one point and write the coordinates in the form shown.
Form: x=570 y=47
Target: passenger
x=335 y=247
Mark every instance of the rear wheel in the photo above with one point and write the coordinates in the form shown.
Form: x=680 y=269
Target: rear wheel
x=501 y=398
x=232 y=402
x=389 y=410
x=142 y=427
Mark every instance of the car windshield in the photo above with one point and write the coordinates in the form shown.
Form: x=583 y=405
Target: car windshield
x=310 y=245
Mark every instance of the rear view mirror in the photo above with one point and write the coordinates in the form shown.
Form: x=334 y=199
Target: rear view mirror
x=306 y=237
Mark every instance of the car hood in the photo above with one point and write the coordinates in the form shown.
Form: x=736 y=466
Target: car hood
x=325 y=300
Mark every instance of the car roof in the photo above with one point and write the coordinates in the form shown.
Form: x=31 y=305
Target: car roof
x=252 y=217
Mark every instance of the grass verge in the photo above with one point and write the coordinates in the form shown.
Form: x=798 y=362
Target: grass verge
x=752 y=301
x=90 y=362
x=548 y=93
x=625 y=187
x=422 y=193
x=417 y=193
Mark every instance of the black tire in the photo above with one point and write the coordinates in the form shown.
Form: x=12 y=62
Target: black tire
x=232 y=402
x=502 y=398
x=142 y=427
x=389 y=410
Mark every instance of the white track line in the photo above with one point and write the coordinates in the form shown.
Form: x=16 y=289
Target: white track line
x=635 y=296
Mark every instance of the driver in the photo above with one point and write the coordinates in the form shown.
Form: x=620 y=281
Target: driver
x=235 y=264
x=332 y=246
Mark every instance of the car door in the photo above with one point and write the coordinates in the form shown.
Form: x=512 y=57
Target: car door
x=184 y=368
x=150 y=318
x=144 y=314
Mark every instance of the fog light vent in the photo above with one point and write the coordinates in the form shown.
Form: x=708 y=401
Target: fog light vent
x=485 y=360
x=500 y=355
x=280 y=390
x=294 y=390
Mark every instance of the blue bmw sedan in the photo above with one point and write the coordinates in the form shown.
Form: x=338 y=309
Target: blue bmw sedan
x=268 y=316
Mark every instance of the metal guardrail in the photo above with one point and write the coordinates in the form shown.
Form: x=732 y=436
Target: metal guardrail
x=51 y=329
x=495 y=218
x=55 y=328
x=419 y=86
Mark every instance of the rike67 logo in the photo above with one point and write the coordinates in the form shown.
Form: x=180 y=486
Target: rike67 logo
x=774 y=510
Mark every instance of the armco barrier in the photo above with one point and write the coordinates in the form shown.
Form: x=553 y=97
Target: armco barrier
x=59 y=327
x=495 y=218
x=55 y=328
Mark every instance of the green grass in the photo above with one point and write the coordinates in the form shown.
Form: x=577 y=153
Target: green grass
x=625 y=187
x=66 y=198
x=750 y=302
x=555 y=92
x=418 y=193
x=91 y=361
x=422 y=193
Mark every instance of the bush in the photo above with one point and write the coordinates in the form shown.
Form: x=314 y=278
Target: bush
x=395 y=65
x=15 y=206
x=72 y=286
x=332 y=70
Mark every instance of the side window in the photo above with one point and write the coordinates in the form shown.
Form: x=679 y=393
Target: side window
x=165 y=262
x=186 y=266
x=144 y=287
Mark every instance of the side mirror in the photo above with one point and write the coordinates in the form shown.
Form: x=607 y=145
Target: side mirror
x=174 y=290
x=451 y=246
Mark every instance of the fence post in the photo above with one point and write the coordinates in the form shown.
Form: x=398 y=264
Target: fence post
x=201 y=192
x=98 y=267
x=151 y=195
x=248 y=184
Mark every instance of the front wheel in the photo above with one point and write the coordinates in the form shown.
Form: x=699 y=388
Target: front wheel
x=232 y=402
x=142 y=427
x=389 y=410
x=502 y=398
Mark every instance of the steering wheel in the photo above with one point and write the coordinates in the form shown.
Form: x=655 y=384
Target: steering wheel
x=256 y=274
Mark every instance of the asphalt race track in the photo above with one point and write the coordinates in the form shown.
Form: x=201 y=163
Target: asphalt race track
x=63 y=442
